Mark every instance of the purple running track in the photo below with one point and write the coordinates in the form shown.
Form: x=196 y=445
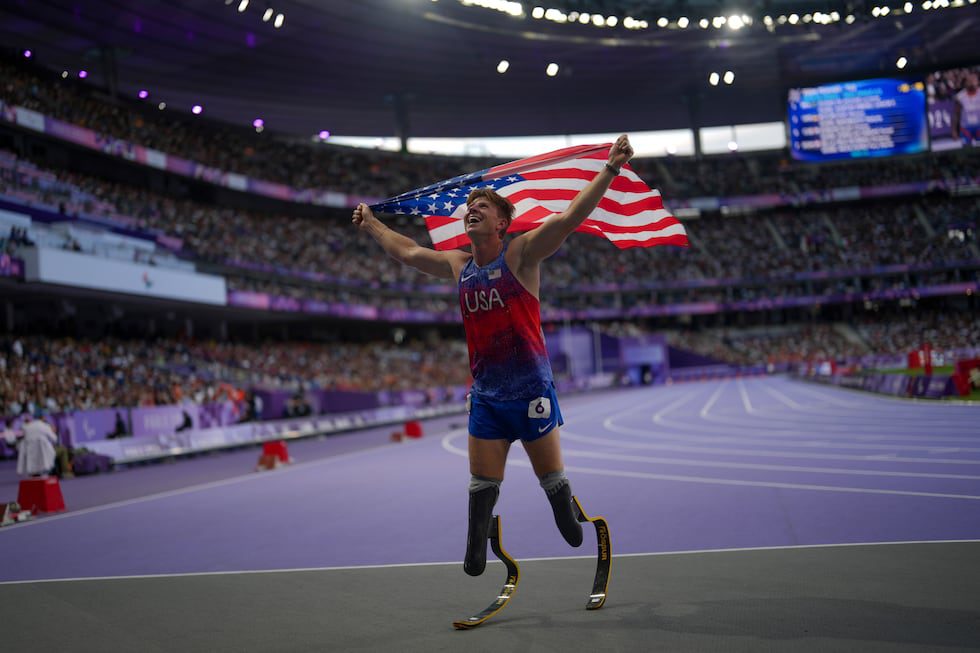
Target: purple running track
x=729 y=464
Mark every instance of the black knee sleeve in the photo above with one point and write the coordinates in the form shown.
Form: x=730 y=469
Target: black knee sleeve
x=482 y=502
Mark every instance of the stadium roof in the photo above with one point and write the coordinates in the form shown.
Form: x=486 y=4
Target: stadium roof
x=353 y=66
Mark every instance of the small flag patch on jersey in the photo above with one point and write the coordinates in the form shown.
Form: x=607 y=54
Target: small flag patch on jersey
x=494 y=274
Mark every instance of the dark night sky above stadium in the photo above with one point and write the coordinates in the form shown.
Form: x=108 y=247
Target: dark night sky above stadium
x=354 y=66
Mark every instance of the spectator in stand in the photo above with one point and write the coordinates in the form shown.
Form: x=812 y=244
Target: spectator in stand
x=36 y=449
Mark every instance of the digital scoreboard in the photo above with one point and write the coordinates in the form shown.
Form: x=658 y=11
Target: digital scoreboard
x=866 y=118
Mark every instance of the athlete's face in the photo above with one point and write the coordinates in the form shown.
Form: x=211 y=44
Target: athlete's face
x=483 y=218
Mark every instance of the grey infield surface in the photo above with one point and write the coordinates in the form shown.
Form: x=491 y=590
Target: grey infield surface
x=892 y=597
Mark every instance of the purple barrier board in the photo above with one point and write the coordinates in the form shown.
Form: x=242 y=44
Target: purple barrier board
x=161 y=420
x=89 y=425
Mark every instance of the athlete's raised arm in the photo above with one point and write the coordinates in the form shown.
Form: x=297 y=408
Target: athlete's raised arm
x=544 y=241
x=445 y=265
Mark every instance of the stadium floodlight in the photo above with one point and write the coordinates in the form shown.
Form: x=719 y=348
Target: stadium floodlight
x=729 y=77
x=279 y=20
x=64 y=74
x=767 y=20
x=537 y=12
x=713 y=79
x=28 y=54
x=242 y=6
x=834 y=16
x=628 y=22
x=267 y=16
x=793 y=19
x=908 y=7
x=732 y=146
x=927 y=5
x=849 y=19
x=162 y=106
x=611 y=21
x=901 y=63
x=551 y=70
x=584 y=18
x=885 y=10
x=718 y=21
x=781 y=20
x=703 y=23
x=663 y=21
x=503 y=66
x=807 y=18
x=735 y=22
x=143 y=94
x=683 y=22
x=197 y=109
x=598 y=20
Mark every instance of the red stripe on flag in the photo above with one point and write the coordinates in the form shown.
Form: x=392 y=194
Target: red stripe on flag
x=663 y=223
x=620 y=183
x=574 y=152
x=679 y=240
x=653 y=203
x=436 y=221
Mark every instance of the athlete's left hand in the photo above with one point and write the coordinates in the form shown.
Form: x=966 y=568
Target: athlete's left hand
x=620 y=152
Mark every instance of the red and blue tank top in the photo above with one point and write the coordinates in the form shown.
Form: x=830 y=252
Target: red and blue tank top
x=502 y=320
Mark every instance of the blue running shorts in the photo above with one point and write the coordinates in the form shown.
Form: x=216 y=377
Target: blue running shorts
x=519 y=419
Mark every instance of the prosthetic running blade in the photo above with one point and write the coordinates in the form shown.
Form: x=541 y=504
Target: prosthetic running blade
x=510 y=585
x=604 y=559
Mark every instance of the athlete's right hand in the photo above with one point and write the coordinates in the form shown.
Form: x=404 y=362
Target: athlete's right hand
x=362 y=213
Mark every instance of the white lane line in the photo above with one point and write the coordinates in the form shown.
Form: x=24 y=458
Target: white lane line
x=295 y=570
x=704 y=480
x=252 y=476
x=690 y=462
x=929 y=415
x=785 y=400
x=766 y=425
x=753 y=453
x=679 y=432
x=711 y=402
x=745 y=397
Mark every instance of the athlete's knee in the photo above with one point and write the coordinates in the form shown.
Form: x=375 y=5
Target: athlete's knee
x=556 y=486
x=552 y=482
x=479 y=482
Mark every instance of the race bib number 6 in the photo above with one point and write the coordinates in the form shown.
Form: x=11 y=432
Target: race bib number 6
x=540 y=408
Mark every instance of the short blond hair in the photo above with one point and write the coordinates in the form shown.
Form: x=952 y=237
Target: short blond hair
x=504 y=205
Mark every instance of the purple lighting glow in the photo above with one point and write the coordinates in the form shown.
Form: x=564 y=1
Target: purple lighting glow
x=324 y=135
x=28 y=54
x=258 y=122
x=82 y=74
x=197 y=109
x=143 y=94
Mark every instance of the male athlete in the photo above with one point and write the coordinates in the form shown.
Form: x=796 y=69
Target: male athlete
x=966 y=111
x=513 y=394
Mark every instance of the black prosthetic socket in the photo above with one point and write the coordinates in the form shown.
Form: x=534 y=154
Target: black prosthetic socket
x=565 y=517
x=481 y=510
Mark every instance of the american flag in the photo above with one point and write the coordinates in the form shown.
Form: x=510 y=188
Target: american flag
x=630 y=214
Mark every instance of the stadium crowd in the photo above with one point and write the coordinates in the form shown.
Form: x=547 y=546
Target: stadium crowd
x=326 y=260
x=65 y=374
x=303 y=164
x=58 y=374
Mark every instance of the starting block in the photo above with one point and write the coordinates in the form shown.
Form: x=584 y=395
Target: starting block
x=41 y=494
x=273 y=455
